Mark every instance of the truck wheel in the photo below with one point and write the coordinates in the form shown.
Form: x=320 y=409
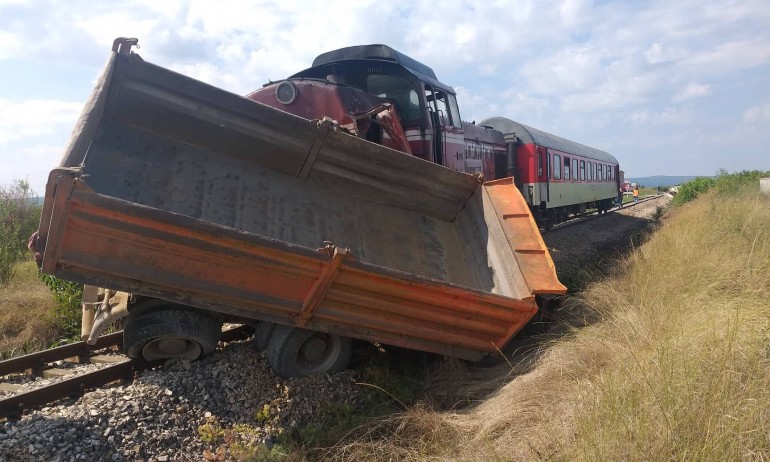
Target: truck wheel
x=171 y=334
x=262 y=333
x=295 y=352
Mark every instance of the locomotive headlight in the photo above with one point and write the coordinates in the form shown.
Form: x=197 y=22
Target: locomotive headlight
x=286 y=92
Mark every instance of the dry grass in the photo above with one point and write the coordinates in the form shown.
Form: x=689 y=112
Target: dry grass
x=25 y=307
x=677 y=368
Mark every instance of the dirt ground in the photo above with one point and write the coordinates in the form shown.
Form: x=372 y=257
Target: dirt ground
x=582 y=252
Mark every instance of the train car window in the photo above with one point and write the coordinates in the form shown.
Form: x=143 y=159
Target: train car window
x=596 y=171
x=601 y=172
x=539 y=164
x=589 y=170
x=607 y=172
x=582 y=170
x=566 y=168
x=557 y=167
x=574 y=169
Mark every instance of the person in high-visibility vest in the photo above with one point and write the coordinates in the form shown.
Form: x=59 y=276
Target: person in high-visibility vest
x=636 y=195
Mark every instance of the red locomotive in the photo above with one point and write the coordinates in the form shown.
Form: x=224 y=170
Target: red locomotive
x=380 y=94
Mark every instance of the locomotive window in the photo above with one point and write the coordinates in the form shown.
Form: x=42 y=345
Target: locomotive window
x=557 y=167
x=454 y=112
x=566 y=168
x=582 y=170
x=437 y=102
x=574 y=169
x=400 y=91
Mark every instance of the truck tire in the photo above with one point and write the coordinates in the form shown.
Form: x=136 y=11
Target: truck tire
x=262 y=333
x=170 y=333
x=295 y=352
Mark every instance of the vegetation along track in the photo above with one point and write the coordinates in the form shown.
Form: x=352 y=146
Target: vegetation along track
x=69 y=370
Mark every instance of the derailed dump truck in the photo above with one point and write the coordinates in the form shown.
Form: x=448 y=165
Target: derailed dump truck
x=312 y=209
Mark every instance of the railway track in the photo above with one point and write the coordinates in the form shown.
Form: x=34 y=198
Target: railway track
x=68 y=382
x=583 y=217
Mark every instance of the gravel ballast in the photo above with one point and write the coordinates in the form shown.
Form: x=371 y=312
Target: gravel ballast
x=176 y=413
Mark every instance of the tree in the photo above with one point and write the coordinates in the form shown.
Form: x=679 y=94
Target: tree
x=19 y=218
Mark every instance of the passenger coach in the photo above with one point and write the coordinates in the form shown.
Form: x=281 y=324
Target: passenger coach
x=556 y=176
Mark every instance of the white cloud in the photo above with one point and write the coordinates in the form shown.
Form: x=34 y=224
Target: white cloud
x=668 y=116
x=558 y=64
x=693 y=90
x=757 y=114
x=35 y=118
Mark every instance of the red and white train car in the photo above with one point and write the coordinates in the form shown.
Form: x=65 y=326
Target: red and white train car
x=557 y=177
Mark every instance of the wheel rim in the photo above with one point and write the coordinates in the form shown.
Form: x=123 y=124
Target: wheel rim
x=171 y=348
x=318 y=352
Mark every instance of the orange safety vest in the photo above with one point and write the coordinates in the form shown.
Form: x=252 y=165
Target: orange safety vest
x=636 y=193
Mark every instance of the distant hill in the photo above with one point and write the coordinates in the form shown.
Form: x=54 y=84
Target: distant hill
x=660 y=180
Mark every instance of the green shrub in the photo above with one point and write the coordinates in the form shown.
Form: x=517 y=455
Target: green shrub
x=693 y=189
x=725 y=183
x=68 y=312
x=19 y=217
x=728 y=184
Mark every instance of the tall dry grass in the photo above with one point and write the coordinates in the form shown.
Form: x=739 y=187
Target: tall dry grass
x=25 y=313
x=677 y=368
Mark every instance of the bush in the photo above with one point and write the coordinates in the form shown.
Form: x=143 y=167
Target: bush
x=693 y=189
x=19 y=217
x=726 y=184
x=68 y=312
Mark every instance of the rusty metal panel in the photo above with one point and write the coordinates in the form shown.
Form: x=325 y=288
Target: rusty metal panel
x=110 y=242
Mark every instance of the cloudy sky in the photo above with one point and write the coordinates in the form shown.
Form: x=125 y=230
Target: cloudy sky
x=678 y=87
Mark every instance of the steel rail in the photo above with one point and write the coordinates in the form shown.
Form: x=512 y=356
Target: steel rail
x=586 y=216
x=15 y=406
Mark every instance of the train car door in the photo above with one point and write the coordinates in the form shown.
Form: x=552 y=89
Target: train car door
x=543 y=173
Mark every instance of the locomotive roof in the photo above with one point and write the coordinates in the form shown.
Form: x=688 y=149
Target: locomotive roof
x=512 y=130
x=384 y=53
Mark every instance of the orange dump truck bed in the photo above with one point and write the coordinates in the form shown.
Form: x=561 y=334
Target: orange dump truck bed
x=174 y=189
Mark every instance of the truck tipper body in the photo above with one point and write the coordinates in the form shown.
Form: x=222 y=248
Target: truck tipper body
x=320 y=220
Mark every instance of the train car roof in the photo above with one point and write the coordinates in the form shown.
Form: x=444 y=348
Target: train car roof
x=383 y=53
x=513 y=131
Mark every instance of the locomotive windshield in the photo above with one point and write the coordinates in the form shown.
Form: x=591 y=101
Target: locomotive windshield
x=383 y=79
x=400 y=91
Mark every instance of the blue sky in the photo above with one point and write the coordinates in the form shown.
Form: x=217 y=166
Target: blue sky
x=674 y=87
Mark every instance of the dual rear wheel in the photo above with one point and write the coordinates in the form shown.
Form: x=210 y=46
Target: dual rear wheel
x=170 y=333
